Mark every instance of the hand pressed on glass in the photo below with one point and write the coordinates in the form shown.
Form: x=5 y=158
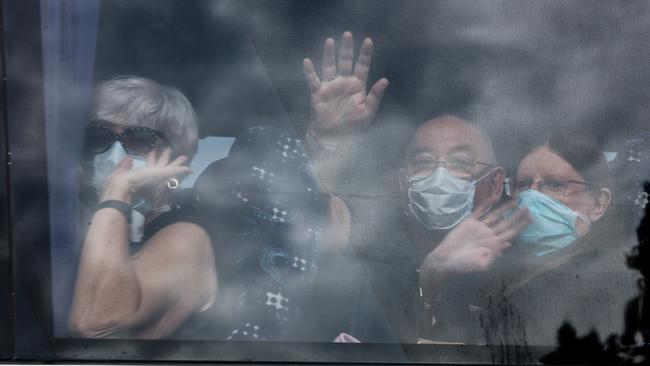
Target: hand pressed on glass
x=472 y=246
x=477 y=241
x=339 y=99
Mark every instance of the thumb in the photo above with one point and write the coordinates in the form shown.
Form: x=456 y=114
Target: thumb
x=376 y=93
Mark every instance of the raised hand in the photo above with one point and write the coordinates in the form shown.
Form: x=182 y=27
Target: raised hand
x=124 y=181
x=476 y=242
x=472 y=246
x=340 y=102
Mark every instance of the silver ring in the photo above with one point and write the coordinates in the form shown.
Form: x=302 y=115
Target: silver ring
x=173 y=183
x=486 y=221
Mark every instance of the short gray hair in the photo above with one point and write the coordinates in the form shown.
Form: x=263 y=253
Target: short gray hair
x=136 y=101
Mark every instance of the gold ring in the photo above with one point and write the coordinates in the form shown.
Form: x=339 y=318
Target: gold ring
x=173 y=183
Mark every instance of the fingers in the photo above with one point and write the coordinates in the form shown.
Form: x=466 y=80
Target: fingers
x=514 y=225
x=374 y=96
x=310 y=75
x=179 y=161
x=329 y=60
x=124 y=165
x=158 y=175
x=176 y=171
x=480 y=210
x=496 y=216
x=163 y=160
x=346 y=55
x=151 y=158
x=362 y=67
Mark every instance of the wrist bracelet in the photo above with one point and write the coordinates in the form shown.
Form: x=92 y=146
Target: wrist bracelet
x=123 y=207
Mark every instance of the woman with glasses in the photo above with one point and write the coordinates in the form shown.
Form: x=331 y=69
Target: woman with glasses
x=565 y=184
x=146 y=265
x=567 y=265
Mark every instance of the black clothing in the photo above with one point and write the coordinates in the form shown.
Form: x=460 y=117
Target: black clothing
x=376 y=280
x=200 y=326
x=523 y=299
x=266 y=215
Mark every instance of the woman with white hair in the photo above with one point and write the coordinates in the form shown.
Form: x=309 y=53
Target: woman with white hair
x=146 y=266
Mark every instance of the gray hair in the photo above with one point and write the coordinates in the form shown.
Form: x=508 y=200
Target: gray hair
x=136 y=101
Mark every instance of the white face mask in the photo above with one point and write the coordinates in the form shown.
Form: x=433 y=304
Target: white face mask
x=105 y=163
x=440 y=201
x=103 y=166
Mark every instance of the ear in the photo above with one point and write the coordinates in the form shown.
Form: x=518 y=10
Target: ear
x=496 y=181
x=603 y=199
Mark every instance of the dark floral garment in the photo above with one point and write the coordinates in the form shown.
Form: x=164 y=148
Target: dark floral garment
x=267 y=217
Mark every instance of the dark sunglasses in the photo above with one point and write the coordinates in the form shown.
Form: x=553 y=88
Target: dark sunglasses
x=135 y=140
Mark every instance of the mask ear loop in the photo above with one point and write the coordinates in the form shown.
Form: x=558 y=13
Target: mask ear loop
x=484 y=213
x=584 y=218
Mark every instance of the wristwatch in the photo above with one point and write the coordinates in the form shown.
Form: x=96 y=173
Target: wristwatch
x=123 y=207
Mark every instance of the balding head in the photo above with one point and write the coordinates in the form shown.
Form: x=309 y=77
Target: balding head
x=450 y=134
x=449 y=138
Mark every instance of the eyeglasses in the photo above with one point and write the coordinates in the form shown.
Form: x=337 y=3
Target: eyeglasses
x=135 y=140
x=552 y=187
x=457 y=166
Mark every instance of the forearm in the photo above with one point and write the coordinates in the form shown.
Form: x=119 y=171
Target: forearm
x=107 y=291
x=329 y=156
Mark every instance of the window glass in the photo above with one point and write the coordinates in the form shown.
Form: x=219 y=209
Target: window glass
x=426 y=175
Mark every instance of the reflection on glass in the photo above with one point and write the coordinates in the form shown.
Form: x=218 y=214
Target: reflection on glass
x=356 y=195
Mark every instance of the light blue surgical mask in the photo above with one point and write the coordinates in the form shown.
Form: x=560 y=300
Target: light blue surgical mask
x=553 y=224
x=105 y=163
x=440 y=201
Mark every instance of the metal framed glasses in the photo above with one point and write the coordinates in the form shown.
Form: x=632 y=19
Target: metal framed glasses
x=459 y=167
x=552 y=187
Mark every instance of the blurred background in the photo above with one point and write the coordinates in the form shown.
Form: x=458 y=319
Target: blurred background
x=519 y=68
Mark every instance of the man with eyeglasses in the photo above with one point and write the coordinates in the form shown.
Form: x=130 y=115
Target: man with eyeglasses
x=450 y=186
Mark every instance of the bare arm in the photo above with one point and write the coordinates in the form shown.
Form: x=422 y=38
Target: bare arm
x=337 y=236
x=151 y=294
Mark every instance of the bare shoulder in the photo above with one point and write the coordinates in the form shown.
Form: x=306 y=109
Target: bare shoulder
x=182 y=243
x=178 y=261
x=182 y=234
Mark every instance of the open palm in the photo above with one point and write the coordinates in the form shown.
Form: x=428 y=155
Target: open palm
x=339 y=101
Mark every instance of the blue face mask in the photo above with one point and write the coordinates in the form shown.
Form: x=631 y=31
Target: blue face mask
x=553 y=224
x=440 y=201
